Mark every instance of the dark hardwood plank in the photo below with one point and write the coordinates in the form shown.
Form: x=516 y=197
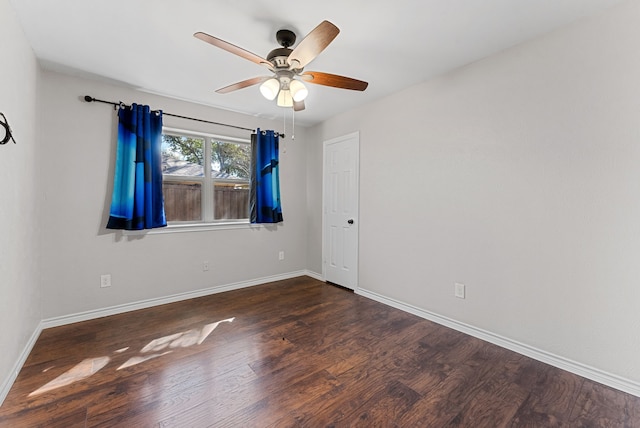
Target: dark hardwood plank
x=281 y=402
x=289 y=354
x=601 y=406
x=494 y=404
x=553 y=395
x=146 y=402
x=386 y=406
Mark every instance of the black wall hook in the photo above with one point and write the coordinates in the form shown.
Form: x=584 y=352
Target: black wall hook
x=7 y=130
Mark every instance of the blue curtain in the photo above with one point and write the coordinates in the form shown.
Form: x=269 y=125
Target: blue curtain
x=137 y=201
x=265 y=178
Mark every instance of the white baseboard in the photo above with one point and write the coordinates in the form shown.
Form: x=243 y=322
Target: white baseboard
x=314 y=275
x=597 y=375
x=142 y=304
x=8 y=382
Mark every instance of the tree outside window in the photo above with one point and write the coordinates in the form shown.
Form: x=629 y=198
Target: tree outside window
x=206 y=179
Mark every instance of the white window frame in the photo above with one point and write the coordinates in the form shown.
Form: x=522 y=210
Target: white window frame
x=208 y=221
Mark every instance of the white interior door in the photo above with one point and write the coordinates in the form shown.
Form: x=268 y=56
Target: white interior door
x=340 y=202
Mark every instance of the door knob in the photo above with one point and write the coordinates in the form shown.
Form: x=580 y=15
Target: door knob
x=350 y=221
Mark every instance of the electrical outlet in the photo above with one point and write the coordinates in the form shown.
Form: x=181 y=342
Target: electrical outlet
x=281 y=255
x=459 y=290
x=105 y=280
x=205 y=266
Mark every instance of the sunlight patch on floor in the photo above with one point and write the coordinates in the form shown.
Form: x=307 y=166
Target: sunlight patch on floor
x=80 y=371
x=137 y=360
x=184 y=339
x=90 y=366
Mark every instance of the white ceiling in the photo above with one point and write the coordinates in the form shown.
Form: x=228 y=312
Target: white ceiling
x=149 y=44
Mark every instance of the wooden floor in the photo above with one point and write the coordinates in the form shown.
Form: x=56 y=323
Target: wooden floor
x=293 y=353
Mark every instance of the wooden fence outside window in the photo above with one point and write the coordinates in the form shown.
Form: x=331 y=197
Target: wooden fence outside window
x=183 y=201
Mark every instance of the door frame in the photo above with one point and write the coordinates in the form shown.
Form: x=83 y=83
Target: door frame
x=352 y=136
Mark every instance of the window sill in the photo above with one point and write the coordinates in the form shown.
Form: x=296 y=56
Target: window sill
x=193 y=227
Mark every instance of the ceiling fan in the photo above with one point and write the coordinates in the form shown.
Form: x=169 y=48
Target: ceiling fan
x=287 y=66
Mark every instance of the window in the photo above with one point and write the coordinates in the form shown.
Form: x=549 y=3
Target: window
x=206 y=178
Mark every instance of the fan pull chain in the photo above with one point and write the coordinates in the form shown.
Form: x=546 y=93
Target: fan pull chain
x=293 y=122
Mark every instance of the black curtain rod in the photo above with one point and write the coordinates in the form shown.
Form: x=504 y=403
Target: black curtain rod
x=89 y=99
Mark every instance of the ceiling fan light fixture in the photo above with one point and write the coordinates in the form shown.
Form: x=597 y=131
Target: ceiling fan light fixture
x=285 y=99
x=298 y=91
x=270 y=88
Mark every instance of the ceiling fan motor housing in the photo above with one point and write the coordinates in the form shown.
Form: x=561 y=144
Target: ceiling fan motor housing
x=278 y=57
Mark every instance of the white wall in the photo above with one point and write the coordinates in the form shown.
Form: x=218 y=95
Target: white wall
x=519 y=176
x=20 y=310
x=78 y=148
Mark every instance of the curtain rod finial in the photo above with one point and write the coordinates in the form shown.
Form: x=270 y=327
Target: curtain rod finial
x=88 y=99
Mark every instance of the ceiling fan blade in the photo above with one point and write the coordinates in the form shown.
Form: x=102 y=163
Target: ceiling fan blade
x=311 y=46
x=233 y=49
x=334 y=80
x=298 y=105
x=243 y=84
